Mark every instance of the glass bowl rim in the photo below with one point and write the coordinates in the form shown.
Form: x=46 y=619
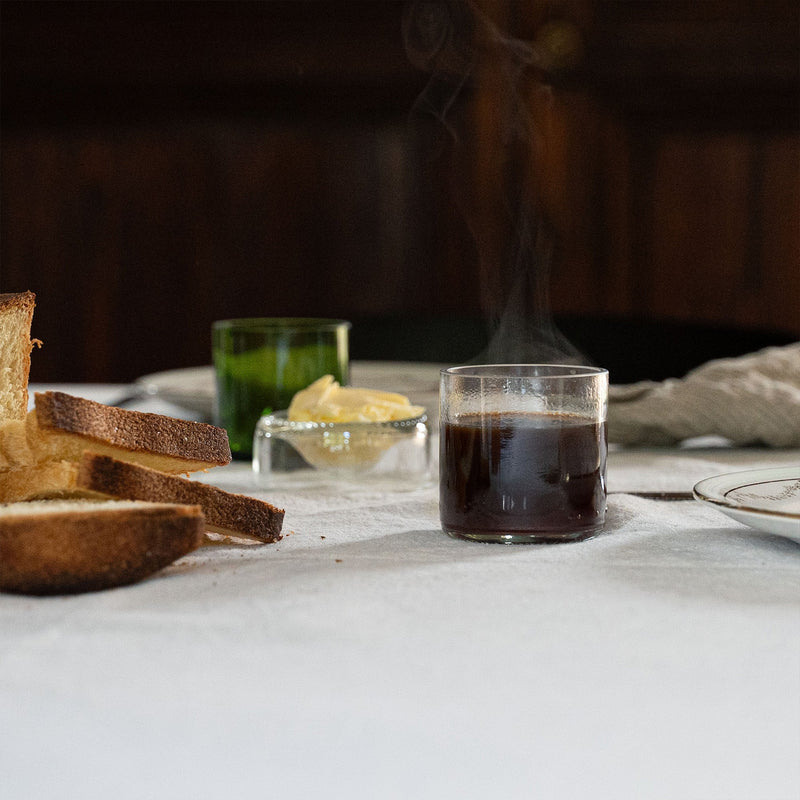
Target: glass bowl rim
x=306 y=426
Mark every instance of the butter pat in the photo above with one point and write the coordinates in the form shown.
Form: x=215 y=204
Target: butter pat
x=326 y=401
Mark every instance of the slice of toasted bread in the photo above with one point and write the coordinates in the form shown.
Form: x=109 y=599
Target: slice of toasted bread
x=226 y=513
x=61 y=427
x=61 y=547
x=16 y=315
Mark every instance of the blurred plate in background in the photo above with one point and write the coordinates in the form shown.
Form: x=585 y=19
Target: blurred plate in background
x=193 y=388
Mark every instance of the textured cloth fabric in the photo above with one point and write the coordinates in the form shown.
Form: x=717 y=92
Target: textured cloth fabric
x=753 y=399
x=367 y=655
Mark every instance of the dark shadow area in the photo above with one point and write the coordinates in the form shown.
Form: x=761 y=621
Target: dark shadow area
x=631 y=349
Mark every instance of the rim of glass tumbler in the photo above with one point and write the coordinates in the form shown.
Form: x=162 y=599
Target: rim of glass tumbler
x=562 y=371
x=284 y=323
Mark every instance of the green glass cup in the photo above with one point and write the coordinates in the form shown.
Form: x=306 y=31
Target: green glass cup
x=260 y=363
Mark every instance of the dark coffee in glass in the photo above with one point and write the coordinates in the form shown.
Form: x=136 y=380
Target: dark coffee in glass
x=530 y=466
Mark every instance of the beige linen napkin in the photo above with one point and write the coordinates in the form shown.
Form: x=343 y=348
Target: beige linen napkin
x=752 y=399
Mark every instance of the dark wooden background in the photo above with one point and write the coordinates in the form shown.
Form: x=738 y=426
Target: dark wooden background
x=165 y=164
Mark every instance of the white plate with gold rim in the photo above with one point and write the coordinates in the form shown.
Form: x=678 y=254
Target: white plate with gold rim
x=765 y=499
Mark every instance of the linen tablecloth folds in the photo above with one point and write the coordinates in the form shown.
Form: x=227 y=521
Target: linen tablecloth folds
x=367 y=654
x=752 y=399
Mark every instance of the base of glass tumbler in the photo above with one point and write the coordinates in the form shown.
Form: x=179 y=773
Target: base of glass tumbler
x=525 y=537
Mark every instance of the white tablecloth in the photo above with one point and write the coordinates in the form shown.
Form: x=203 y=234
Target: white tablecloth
x=367 y=655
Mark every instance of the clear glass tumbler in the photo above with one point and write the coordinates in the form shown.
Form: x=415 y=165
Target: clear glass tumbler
x=522 y=452
x=260 y=363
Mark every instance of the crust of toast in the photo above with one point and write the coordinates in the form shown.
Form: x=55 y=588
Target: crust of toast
x=62 y=427
x=225 y=512
x=56 y=547
x=97 y=476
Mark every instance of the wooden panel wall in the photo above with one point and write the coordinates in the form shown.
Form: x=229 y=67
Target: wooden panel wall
x=168 y=164
x=662 y=153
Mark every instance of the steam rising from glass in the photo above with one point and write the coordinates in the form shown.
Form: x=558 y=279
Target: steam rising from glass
x=467 y=56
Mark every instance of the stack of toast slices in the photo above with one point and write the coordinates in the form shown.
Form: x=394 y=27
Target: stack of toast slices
x=93 y=496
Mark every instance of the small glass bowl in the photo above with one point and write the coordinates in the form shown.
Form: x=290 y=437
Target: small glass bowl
x=397 y=453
